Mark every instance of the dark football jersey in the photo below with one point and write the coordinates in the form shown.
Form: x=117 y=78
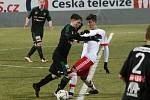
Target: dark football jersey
x=68 y=35
x=39 y=17
x=136 y=73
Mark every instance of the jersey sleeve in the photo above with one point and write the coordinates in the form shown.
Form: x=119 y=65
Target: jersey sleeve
x=30 y=14
x=104 y=41
x=48 y=16
x=106 y=53
x=89 y=34
x=71 y=34
x=125 y=67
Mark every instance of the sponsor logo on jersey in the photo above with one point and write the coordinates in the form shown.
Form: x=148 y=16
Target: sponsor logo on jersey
x=137 y=78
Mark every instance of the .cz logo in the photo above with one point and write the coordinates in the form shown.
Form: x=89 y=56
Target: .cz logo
x=141 y=3
x=28 y=5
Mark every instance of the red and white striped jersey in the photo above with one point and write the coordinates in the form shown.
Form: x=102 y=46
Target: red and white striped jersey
x=91 y=48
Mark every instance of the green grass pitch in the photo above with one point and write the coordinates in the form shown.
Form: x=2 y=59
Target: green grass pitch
x=17 y=76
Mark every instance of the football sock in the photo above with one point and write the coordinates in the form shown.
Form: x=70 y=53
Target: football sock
x=73 y=82
x=32 y=50
x=39 y=49
x=62 y=84
x=90 y=84
x=46 y=80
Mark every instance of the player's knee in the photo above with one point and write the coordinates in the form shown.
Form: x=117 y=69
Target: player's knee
x=73 y=69
x=39 y=44
x=54 y=76
x=83 y=78
x=73 y=74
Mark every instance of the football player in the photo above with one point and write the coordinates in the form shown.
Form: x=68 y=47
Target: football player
x=39 y=15
x=136 y=72
x=88 y=58
x=68 y=34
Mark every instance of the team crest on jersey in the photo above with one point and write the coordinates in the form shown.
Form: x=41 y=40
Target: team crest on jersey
x=36 y=13
x=44 y=14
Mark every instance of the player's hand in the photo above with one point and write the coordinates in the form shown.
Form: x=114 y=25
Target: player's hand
x=26 y=25
x=68 y=70
x=106 y=67
x=51 y=28
x=96 y=37
x=84 y=32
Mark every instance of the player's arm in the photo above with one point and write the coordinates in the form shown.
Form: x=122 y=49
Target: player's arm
x=106 y=56
x=49 y=19
x=124 y=70
x=104 y=43
x=27 y=19
x=89 y=38
x=71 y=34
x=87 y=33
x=26 y=22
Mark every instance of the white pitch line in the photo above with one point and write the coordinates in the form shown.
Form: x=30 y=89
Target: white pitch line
x=92 y=71
x=28 y=48
x=14 y=66
x=22 y=48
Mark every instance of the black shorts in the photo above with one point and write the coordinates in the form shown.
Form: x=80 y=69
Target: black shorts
x=37 y=37
x=57 y=69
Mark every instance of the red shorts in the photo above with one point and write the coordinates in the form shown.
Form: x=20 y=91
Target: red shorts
x=83 y=66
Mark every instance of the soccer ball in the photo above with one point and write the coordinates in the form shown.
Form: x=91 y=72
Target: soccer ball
x=62 y=95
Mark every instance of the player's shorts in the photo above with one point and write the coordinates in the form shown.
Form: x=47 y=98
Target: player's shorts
x=83 y=66
x=37 y=38
x=57 y=68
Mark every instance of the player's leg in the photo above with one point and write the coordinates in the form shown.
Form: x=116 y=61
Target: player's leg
x=64 y=81
x=91 y=85
x=32 y=50
x=83 y=67
x=54 y=69
x=39 y=48
x=72 y=84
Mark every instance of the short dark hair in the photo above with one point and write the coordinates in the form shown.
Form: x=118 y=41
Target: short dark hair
x=148 y=33
x=76 y=17
x=91 y=17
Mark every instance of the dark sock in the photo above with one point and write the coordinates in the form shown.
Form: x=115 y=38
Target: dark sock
x=39 y=49
x=46 y=80
x=32 y=50
x=62 y=84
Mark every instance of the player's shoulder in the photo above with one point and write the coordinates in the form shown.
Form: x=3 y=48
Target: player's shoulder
x=34 y=8
x=100 y=30
x=67 y=27
x=46 y=10
x=145 y=48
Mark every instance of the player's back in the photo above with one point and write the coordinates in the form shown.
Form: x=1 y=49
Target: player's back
x=138 y=78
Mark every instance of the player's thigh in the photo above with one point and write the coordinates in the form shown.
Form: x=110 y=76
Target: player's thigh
x=57 y=69
x=37 y=39
x=83 y=75
x=83 y=64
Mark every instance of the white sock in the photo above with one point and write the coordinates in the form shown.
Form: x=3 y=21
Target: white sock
x=73 y=82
